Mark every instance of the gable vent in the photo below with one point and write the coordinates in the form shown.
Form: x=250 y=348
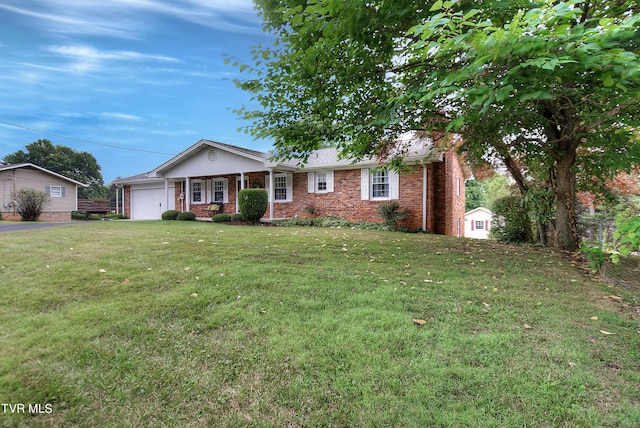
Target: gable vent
x=212 y=155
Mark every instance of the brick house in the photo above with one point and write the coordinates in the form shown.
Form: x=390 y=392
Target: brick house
x=430 y=186
x=62 y=191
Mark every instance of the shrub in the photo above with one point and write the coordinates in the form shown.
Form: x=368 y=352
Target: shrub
x=253 y=204
x=186 y=216
x=170 y=215
x=511 y=220
x=391 y=213
x=221 y=218
x=237 y=217
x=30 y=203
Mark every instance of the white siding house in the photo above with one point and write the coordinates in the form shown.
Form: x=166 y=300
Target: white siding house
x=477 y=223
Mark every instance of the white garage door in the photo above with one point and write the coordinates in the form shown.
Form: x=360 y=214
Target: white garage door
x=147 y=204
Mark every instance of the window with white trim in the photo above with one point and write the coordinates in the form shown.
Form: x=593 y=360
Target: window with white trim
x=280 y=187
x=480 y=224
x=321 y=181
x=380 y=184
x=196 y=191
x=55 y=191
x=218 y=190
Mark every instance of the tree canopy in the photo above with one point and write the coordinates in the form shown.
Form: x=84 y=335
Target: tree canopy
x=549 y=87
x=79 y=166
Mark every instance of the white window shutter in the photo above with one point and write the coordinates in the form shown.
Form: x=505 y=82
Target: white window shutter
x=311 y=182
x=48 y=190
x=225 y=191
x=266 y=186
x=364 y=184
x=329 y=181
x=289 y=187
x=394 y=185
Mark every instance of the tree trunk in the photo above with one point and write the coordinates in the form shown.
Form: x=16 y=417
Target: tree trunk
x=566 y=224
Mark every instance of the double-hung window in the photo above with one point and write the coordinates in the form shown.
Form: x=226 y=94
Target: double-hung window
x=55 y=191
x=480 y=224
x=196 y=191
x=280 y=187
x=380 y=184
x=320 y=182
x=218 y=191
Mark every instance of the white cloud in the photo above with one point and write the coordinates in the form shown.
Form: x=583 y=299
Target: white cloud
x=131 y=19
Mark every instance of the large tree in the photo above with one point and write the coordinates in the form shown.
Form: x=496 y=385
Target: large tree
x=79 y=166
x=550 y=87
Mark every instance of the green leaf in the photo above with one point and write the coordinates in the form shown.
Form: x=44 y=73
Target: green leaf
x=608 y=81
x=436 y=6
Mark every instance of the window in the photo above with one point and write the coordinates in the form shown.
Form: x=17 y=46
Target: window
x=196 y=191
x=280 y=187
x=218 y=191
x=380 y=184
x=55 y=191
x=479 y=224
x=322 y=181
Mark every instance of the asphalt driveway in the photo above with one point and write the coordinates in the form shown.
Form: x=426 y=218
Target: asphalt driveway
x=26 y=225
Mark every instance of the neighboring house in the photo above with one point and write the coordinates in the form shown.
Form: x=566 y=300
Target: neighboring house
x=62 y=191
x=430 y=187
x=477 y=223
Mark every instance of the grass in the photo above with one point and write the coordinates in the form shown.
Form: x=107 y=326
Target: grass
x=200 y=324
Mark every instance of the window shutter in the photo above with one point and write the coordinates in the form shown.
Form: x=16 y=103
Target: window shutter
x=486 y=225
x=329 y=181
x=364 y=184
x=289 y=187
x=473 y=224
x=62 y=192
x=394 y=185
x=311 y=182
x=225 y=191
x=48 y=190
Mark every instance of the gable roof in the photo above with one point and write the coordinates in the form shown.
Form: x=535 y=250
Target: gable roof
x=415 y=150
x=46 y=171
x=479 y=209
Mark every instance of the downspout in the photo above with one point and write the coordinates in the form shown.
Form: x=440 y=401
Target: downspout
x=424 y=196
x=271 y=194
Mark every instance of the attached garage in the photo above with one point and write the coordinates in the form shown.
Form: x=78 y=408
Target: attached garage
x=148 y=203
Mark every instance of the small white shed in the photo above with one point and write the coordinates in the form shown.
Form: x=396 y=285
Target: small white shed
x=477 y=223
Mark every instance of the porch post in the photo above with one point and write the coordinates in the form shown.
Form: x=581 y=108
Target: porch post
x=271 y=194
x=187 y=195
x=241 y=180
x=117 y=211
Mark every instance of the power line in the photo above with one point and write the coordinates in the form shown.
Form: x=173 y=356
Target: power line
x=84 y=141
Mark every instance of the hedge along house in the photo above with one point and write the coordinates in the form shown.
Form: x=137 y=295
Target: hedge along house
x=62 y=191
x=430 y=186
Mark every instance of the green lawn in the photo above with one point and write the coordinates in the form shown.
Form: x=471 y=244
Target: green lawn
x=199 y=324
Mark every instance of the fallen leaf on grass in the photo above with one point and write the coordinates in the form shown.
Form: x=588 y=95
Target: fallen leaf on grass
x=527 y=326
x=187 y=269
x=126 y=281
x=102 y=271
x=605 y=332
x=486 y=304
x=194 y=294
x=419 y=321
x=594 y=318
x=613 y=297
x=572 y=364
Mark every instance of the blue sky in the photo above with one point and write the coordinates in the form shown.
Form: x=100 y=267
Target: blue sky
x=143 y=75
